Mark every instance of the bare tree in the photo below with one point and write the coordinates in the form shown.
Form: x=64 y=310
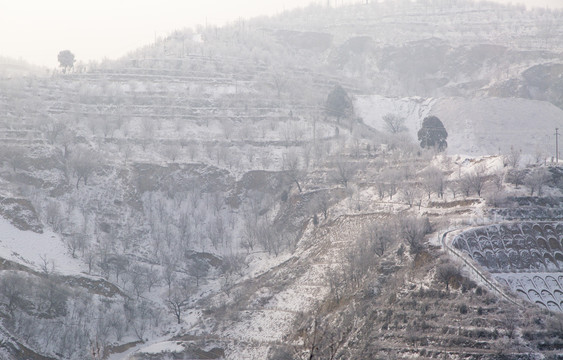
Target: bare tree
x=84 y=161
x=380 y=236
x=66 y=139
x=394 y=123
x=537 y=179
x=12 y=285
x=473 y=182
x=323 y=338
x=15 y=157
x=411 y=194
x=390 y=178
x=280 y=81
x=323 y=203
x=76 y=242
x=413 y=229
x=171 y=152
x=169 y=273
x=147 y=132
x=344 y=171
x=465 y=184
x=512 y=157
x=446 y=273
x=292 y=167
x=478 y=180
x=53 y=129
x=433 y=181
x=454 y=187
x=138 y=279
x=198 y=269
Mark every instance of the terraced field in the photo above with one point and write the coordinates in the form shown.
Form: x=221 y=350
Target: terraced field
x=526 y=257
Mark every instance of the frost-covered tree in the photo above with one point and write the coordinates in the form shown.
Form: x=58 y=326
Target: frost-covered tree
x=292 y=167
x=394 y=123
x=413 y=229
x=344 y=171
x=433 y=181
x=512 y=157
x=446 y=273
x=84 y=162
x=536 y=180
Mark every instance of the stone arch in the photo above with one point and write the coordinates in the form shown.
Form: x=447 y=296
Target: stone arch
x=550 y=262
x=485 y=243
x=525 y=228
x=530 y=242
x=518 y=242
x=473 y=244
x=503 y=260
x=461 y=244
x=504 y=282
x=552 y=282
x=548 y=229
x=479 y=258
x=554 y=244
x=480 y=232
x=515 y=260
x=558 y=257
x=542 y=244
x=527 y=283
x=539 y=282
x=537 y=260
x=497 y=244
x=523 y=294
x=553 y=306
x=534 y=295
x=537 y=229
x=492 y=260
x=540 y=303
x=546 y=295
x=526 y=259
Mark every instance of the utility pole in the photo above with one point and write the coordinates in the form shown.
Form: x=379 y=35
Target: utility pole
x=557 y=145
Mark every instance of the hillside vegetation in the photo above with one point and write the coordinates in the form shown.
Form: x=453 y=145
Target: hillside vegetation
x=236 y=192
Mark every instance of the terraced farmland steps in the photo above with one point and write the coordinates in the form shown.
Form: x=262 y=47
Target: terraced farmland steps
x=525 y=257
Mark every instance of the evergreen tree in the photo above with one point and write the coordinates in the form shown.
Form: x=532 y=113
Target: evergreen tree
x=338 y=103
x=432 y=134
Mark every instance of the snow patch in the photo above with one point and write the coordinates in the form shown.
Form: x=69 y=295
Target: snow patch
x=32 y=249
x=163 y=347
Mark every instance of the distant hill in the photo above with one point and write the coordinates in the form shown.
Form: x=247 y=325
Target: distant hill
x=11 y=67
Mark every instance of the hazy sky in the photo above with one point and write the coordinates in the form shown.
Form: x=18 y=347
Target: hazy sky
x=36 y=30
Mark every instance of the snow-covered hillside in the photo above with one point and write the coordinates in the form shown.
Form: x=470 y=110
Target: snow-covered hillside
x=476 y=127
x=226 y=202
x=41 y=252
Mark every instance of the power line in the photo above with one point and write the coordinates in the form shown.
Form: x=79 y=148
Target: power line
x=557 y=145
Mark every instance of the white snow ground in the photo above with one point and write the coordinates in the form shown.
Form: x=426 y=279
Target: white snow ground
x=481 y=126
x=30 y=249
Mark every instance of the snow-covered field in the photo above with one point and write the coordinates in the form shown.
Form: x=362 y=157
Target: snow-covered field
x=479 y=126
x=39 y=252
